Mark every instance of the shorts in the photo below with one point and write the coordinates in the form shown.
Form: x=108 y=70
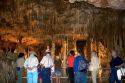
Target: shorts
x=58 y=73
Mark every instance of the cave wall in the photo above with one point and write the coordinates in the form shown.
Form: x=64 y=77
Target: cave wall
x=53 y=20
x=8 y=67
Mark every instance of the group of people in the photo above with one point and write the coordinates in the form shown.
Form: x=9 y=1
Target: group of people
x=77 y=67
x=35 y=69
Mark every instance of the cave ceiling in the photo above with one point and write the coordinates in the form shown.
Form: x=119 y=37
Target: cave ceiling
x=39 y=20
x=115 y=4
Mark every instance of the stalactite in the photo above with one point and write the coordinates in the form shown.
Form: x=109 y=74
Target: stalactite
x=100 y=23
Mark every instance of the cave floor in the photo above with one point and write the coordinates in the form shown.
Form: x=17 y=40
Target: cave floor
x=65 y=80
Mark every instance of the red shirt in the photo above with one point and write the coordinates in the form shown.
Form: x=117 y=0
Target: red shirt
x=71 y=61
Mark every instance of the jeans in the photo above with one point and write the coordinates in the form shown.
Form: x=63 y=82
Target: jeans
x=71 y=74
x=113 y=76
x=94 y=75
x=46 y=73
x=32 y=77
x=81 y=77
x=19 y=75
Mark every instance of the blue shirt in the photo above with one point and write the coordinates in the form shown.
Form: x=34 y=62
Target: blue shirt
x=76 y=62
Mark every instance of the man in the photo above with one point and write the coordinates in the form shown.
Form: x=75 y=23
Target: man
x=31 y=64
x=47 y=63
x=115 y=64
x=70 y=66
x=80 y=68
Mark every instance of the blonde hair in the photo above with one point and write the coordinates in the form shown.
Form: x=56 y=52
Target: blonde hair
x=94 y=53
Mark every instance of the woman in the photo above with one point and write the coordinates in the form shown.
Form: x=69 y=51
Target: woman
x=94 y=66
x=70 y=66
x=31 y=64
x=19 y=69
x=58 y=63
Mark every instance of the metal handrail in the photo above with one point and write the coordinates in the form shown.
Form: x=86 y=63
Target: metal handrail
x=88 y=76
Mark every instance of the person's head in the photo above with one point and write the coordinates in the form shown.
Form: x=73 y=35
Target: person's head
x=72 y=53
x=57 y=57
x=94 y=54
x=81 y=52
x=32 y=53
x=21 y=55
x=48 y=51
x=114 y=53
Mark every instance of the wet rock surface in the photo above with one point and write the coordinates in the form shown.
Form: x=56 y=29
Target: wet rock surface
x=7 y=69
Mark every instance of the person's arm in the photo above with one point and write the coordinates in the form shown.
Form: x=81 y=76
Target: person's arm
x=61 y=63
x=36 y=64
x=26 y=64
x=52 y=63
x=120 y=62
x=53 y=67
x=42 y=62
x=119 y=66
x=67 y=60
x=17 y=63
x=75 y=65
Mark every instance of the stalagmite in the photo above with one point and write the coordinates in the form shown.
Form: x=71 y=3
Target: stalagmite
x=64 y=57
x=53 y=49
x=7 y=70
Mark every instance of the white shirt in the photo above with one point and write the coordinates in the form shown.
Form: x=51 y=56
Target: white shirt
x=31 y=62
x=120 y=73
x=20 y=62
x=47 y=61
x=94 y=63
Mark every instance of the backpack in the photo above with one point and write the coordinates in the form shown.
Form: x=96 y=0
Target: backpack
x=82 y=66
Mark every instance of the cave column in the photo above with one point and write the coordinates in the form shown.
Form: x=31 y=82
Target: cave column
x=64 y=57
x=75 y=48
x=53 y=49
x=88 y=49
